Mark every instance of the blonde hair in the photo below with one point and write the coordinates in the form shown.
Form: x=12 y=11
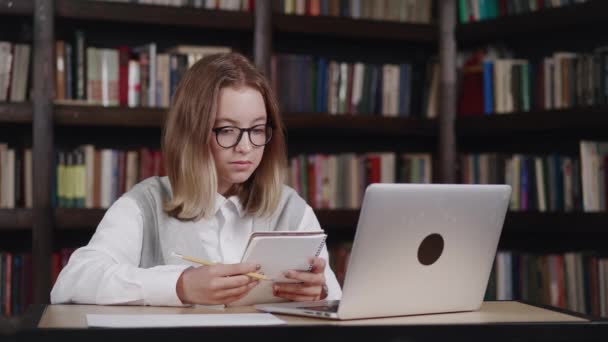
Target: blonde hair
x=187 y=135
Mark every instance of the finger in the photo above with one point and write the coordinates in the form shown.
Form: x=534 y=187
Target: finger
x=233 y=299
x=295 y=297
x=306 y=277
x=235 y=292
x=225 y=283
x=298 y=289
x=318 y=265
x=225 y=270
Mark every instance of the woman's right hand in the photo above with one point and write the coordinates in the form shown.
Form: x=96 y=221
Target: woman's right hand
x=217 y=284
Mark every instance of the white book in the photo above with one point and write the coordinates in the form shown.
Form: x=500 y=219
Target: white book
x=387 y=167
x=300 y=7
x=357 y=85
x=109 y=77
x=89 y=167
x=433 y=102
x=588 y=155
x=106 y=178
x=332 y=97
x=28 y=178
x=501 y=292
x=570 y=279
x=9 y=177
x=6 y=58
x=134 y=84
x=132 y=169
x=343 y=88
x=278 y=252
x=386 y=93
x=3 y=174
x=540 y=184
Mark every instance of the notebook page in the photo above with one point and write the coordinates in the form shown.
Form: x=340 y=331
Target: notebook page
x=185 y=320
x=278 y=254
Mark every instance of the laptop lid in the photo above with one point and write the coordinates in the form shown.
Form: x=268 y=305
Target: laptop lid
x=423 y=248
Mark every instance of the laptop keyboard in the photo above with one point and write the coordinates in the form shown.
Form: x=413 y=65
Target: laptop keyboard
x=323 y=308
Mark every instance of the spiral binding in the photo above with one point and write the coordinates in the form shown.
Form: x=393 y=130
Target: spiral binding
x=318 y=251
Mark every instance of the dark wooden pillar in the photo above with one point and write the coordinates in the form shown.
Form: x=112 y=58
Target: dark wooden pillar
x=262 y=40
x=447 y=105
x=42 y=98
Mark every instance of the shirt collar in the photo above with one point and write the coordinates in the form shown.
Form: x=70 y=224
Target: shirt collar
x=220 y=201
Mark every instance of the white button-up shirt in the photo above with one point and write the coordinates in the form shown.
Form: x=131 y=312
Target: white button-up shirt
x=106 y=270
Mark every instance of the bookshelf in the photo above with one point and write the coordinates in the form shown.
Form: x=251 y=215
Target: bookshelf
x=16 y=219
x=338 y=27
x=20 y=8
x=534 y=35
x=154 y=14
x=574 y=121
x=268 y=32
x=257 y=34
x=19 y=113
x=532 y=24
x=71 y=115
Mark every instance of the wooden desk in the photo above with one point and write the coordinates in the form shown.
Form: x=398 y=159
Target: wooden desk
x=496 y=321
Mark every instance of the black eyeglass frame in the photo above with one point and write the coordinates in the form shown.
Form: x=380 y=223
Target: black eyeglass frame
x=217 y=130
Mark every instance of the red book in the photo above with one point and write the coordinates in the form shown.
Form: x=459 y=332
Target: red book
x=314 y=7
x=123 y=75
x=144 y=163
x=471 y=97
x=156 y=160
x=502 y=8
x=373 y=175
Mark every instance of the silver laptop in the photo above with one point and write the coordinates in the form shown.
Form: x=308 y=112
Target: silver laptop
x=418 y=249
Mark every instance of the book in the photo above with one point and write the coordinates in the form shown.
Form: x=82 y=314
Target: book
x=278 y=252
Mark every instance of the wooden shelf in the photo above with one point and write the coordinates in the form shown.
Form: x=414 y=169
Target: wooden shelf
x=356 y=28
x=571 y=121
x=154 y=14
x=16 y=7
x=16 y=112
x=16 y=219
x=73 y=218
x=518 y=223
x=540 y=22
x=78 y=115
x=360 y=125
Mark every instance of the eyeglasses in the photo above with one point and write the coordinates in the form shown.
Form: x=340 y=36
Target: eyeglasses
x=230 y=136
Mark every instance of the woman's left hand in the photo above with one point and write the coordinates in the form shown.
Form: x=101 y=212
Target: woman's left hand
x=311 y=286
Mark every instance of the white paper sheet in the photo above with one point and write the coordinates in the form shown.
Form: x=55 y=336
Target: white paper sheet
x=185 y=320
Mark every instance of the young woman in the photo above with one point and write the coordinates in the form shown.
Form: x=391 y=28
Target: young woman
x=224 y=154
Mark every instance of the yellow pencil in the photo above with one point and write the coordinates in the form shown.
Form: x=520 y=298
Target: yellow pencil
x=208 y=263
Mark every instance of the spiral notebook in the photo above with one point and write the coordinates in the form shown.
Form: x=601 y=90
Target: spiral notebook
x=278 y=252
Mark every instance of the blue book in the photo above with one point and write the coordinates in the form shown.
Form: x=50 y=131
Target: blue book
x=488 y=87
x=324 y=7
x=405 y=89
x=523 y=202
